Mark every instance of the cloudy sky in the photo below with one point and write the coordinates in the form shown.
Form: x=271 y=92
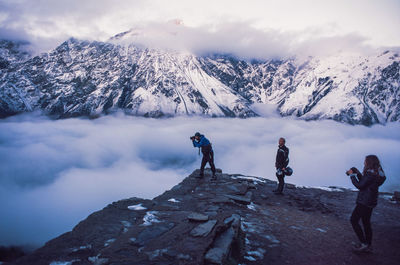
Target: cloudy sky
x=282 y=26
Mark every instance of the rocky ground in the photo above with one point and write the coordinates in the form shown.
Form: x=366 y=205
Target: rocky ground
x=234 y=220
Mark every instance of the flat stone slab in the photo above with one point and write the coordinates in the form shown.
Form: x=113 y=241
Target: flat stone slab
x=396 y=195
x=150 y=233
x=220 y=199
x=198 y=217
x=214 y=256
x=240 y=199
x=240 y=189
x=203 y=229
x=222 y=244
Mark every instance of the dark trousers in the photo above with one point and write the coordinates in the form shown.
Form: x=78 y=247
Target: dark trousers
x=281 y=182
x=208 y=156
x=364 y=213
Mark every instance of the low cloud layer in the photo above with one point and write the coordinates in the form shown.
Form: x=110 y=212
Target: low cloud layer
x=55 y=173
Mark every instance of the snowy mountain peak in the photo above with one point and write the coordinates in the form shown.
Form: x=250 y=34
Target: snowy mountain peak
x=90 y=78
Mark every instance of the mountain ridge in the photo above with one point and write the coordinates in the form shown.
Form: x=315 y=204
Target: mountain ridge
x=90 y=78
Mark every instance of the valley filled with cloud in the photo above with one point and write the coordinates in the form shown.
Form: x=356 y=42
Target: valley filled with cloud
x=53 y=173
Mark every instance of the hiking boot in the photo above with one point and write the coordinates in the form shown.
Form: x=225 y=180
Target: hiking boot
x=200 y=176
x=361 y=248
x=369 y=249
x=213 y=177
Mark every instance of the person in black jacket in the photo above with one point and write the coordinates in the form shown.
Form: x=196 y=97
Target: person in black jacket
x=282 y=161
x=368 y=185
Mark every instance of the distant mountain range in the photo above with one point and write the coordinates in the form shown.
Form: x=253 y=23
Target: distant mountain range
x=89 y=78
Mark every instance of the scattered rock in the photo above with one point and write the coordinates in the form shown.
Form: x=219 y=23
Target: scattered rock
x=156 y=253
x=396 y=196
x=198 y=217
x=239 y=189
x=164 y=233
x=220 y=199
x=184 y=257
x=151 y=232
x=221 y=246
x=290 y=186
x=240 y=199
x=203 y=230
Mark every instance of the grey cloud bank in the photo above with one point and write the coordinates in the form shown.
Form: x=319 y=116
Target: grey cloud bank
x=55 y=173
x=260 y=29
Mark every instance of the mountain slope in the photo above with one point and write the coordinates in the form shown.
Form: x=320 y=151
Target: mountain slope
x=346 y=87
x=82 y=78
x=89 y=78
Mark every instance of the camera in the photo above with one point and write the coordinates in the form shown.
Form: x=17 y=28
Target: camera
x=354 y=171
x=192 y=138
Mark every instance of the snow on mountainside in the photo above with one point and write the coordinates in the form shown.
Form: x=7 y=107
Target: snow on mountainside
x=90 y=78
x=346 y=87
x=82 y=78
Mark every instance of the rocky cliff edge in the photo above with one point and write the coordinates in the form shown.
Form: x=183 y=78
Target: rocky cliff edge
x=236 y=219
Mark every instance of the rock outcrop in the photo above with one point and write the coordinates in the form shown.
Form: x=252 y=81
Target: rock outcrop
x=233 y=220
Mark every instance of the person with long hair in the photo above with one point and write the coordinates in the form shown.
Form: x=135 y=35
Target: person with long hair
x=367 y=183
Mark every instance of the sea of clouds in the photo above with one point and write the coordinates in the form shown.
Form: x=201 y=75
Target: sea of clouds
x=54 y=173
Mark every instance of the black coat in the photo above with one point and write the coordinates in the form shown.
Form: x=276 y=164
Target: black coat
x=282 y=157
x=368 y=186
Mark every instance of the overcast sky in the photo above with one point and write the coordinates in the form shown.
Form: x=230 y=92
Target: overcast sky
x=351 y=23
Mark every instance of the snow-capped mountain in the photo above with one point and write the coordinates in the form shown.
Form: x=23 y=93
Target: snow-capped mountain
x=90 y=78
x=346 y=87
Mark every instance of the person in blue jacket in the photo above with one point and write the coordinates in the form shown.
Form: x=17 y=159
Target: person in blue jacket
x=367 y=183
x=202 y=142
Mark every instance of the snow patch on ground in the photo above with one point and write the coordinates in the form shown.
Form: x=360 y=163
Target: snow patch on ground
x=251 y=206
x=255 y=179
x=96 y=260
x=60 y=262
x=137 y=207
x=330 y=188
x=82 y=247
x=109 y=242
x=259 y=253
x=250 y=258
x=272 y=239
x=173 y=200
x=150 y=218
x=126 y=225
